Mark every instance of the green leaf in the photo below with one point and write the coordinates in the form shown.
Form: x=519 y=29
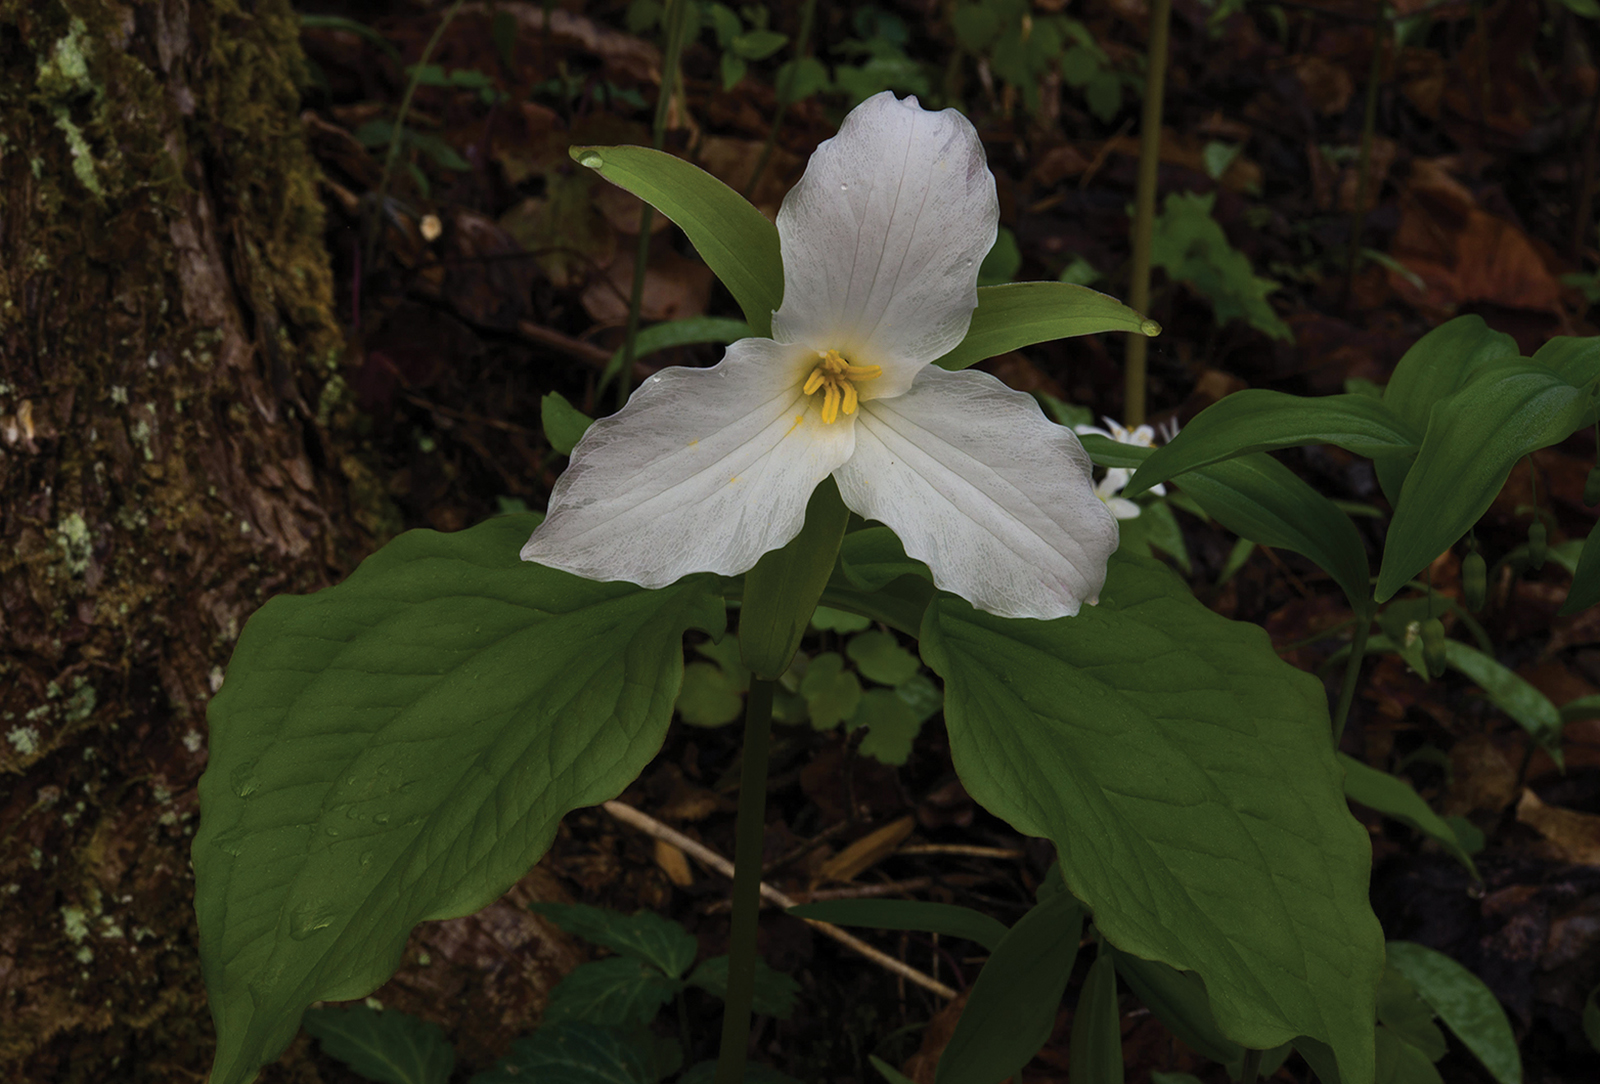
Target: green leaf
x=387 y=1046
x=643 y=935
x=873 y=557
x=1096 y=1046
x=782 y=591
x=709 y=697
x=1394 y=797
x=1184 y=773
x=880 y=658
x=735 y=240
x=1255 y=420
x=1474 y=437
x=824 y=619
x=945 y=919
x=564 y=424
x=1003 y=261
x=1591 y=1018
x=1398 y=1062
x=1584 y=707
x=775 y=993
x=1023 y=313
x=799 y=79
x=620 y=991
x=891 y=725
x=1511 y=694
x=1190 y=245
x=1464 y=1003
x=664 y=336
x=890 y=1073
x=1012 y=1006
x=1585 y=589
x=831 y=692
x=1440 y=363
x=758 y=44
x=402 y=747
x=1179 y=1000
x=1405 y=1013
x=575 y=1052
x=1401 y=621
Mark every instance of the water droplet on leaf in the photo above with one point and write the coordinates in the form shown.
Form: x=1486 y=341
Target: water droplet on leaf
x=1150 y=328
x=590 y=160
x=309 y=917
x=244 y=779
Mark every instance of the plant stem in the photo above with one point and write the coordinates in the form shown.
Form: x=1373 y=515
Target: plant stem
x=746 y=883
x=1381 y=30
x=1250 y=1072
x=1352 y=670
x=1144 y=210
x=373 y=227
x=807 y=14
x=673 y=20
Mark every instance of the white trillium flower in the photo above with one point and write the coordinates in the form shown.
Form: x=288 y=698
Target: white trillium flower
x=1117 y=477
x=705 y=470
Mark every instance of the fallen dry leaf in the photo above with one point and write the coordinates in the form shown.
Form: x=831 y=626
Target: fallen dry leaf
x=1569 y=836
x=867 y=851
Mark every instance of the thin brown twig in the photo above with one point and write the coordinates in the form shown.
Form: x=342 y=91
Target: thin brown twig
x=963 y=850
x=711 y=859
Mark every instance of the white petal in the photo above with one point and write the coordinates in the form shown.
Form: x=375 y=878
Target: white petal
x=997 y=500
x=1123 y=508
x=882 y=239
x=703 y=471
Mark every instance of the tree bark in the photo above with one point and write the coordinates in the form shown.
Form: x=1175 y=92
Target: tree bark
x=170 y=456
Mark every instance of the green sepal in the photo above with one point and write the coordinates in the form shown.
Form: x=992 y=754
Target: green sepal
x=782 y=591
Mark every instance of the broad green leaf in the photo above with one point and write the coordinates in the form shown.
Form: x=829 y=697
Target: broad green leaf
x=735 y=240
x=1436 y=365
x=1398 y=1062
x=383 y=1045
x=1474 y=437
x=1260 y=499
x=1256 y=420
x=873 y=557
x=1184 y=773
x=1585 y=589
x=401 y=747
x=775 y=993
x=575 y=1052
x=1511 y=694
x=1020 y=314
x=1464 y=1003
x=564 y=424
x=1575 y=360
x=643 y=935
x=620 y=991
x=880 y=658
x=1178 y=998
x=1405 y=1013
x=708 y=697
x=945 y=919
x=827 y=620
x=1012 y=1006
x=891 y=725
x=688 y=332
x=1394 y=797
x=922 y=696
x=831 y=692
x=1096 y=1047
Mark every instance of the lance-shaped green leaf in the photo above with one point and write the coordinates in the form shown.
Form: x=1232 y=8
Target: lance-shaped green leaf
x=384 y=1045
x=1184 y=774
x=947 y=919
x=1013 y=1004
x=1577 y=361
x=1260 y=499
x=1510 y=693
x=1020 y=314
x=401 y=747
x=1474 y=438
x=1095 y=1056
x=1436 y=366
x=1585 y=589
x=688 y=332
x=1256 y=420
x=1394 y=797
x=735 y=240
x=1464 y=1003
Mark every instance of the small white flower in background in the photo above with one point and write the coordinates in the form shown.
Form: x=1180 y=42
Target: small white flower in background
x=705 y=470
x=1117 y=477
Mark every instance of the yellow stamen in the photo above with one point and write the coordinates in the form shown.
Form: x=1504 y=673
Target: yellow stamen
x=836 y=378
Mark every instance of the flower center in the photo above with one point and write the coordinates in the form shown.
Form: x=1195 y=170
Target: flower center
x=836 y=378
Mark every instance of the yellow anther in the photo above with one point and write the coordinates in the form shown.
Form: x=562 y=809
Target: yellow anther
x=836 y=378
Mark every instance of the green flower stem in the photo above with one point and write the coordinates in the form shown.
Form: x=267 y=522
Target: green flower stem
x=746 y=883
x=1250 y=1071
x=674 y=20
x=1352 y=671
x=1144 y=211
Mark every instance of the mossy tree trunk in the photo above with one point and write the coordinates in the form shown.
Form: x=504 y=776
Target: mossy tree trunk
x=168 y=362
